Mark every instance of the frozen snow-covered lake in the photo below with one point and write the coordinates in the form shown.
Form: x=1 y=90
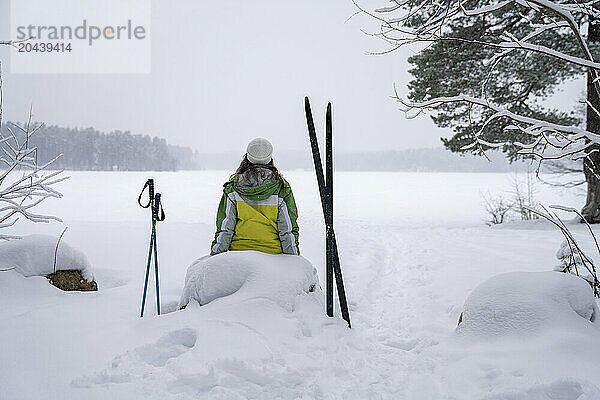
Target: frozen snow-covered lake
x=393 y=198
x=412 y=247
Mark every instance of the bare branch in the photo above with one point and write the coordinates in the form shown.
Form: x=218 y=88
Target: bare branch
x=24 y=184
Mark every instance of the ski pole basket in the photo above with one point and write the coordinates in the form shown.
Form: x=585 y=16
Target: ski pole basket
x=325 y=182
x=157 y=215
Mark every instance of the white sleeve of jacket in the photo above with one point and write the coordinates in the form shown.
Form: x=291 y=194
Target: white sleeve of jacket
x=227 y=228
x=284 y=226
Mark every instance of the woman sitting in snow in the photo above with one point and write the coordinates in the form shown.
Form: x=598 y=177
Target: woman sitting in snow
x=257 y=210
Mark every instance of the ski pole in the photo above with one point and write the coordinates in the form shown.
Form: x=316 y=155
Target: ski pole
x=154 y=219
x=157 y=214
x=150 y=185
x=147 y=273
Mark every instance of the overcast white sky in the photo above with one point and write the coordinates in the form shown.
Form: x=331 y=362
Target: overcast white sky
x=225 y=72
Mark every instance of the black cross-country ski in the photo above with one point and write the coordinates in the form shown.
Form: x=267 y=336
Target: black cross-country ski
x=325 y=183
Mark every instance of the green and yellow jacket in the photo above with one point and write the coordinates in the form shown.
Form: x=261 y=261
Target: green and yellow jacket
x=259 y=215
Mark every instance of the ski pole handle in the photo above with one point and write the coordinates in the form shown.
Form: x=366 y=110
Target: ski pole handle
x=157 y=211
x=151 y=188
x=150 y=185
x=155 y=206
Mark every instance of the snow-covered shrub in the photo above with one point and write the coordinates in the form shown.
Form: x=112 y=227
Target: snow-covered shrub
x=572 y=257
x=519 y=202
x=24 y=183
x=496 y=207
x=574 y=261
x=526 y=303
x=523 y=193
x=34 y=255
x=571 y=260
x=249 y=274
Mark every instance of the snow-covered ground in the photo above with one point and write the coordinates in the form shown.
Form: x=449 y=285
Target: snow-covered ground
x=412 y=246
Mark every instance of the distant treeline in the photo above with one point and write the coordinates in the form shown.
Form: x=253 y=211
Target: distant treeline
x=89 y=149
x=410 y=160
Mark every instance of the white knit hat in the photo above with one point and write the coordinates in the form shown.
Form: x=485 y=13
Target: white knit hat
x=259 y=151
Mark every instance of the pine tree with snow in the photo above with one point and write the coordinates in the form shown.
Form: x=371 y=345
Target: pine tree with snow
x=484 y=68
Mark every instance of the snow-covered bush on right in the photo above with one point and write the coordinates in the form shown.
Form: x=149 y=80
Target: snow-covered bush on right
x=522 y=303
x=573 y=259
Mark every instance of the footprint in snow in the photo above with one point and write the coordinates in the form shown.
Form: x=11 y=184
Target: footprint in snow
x=402 y=344
x=169 y=346
x=137 y=363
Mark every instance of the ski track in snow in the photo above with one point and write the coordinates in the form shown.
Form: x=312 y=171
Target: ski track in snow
x=395 y=303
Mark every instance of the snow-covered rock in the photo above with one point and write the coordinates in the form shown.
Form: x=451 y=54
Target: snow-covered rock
x=526 y=303
x=249 y=274
x=33 y=255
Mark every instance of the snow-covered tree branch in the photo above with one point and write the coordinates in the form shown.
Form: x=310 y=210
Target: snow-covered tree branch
x=485 y=67
x=24 y=183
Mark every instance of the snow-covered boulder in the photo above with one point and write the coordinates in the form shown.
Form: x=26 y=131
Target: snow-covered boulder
x=526 y=303
x=249 y=274
x=33 y=255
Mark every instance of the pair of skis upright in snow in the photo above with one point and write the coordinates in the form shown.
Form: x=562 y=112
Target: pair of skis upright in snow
x=157 y=215
x=325 y=182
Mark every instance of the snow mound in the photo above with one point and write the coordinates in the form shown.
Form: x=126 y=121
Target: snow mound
x=33 y=255
x=249 y=274
x=527 y=302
